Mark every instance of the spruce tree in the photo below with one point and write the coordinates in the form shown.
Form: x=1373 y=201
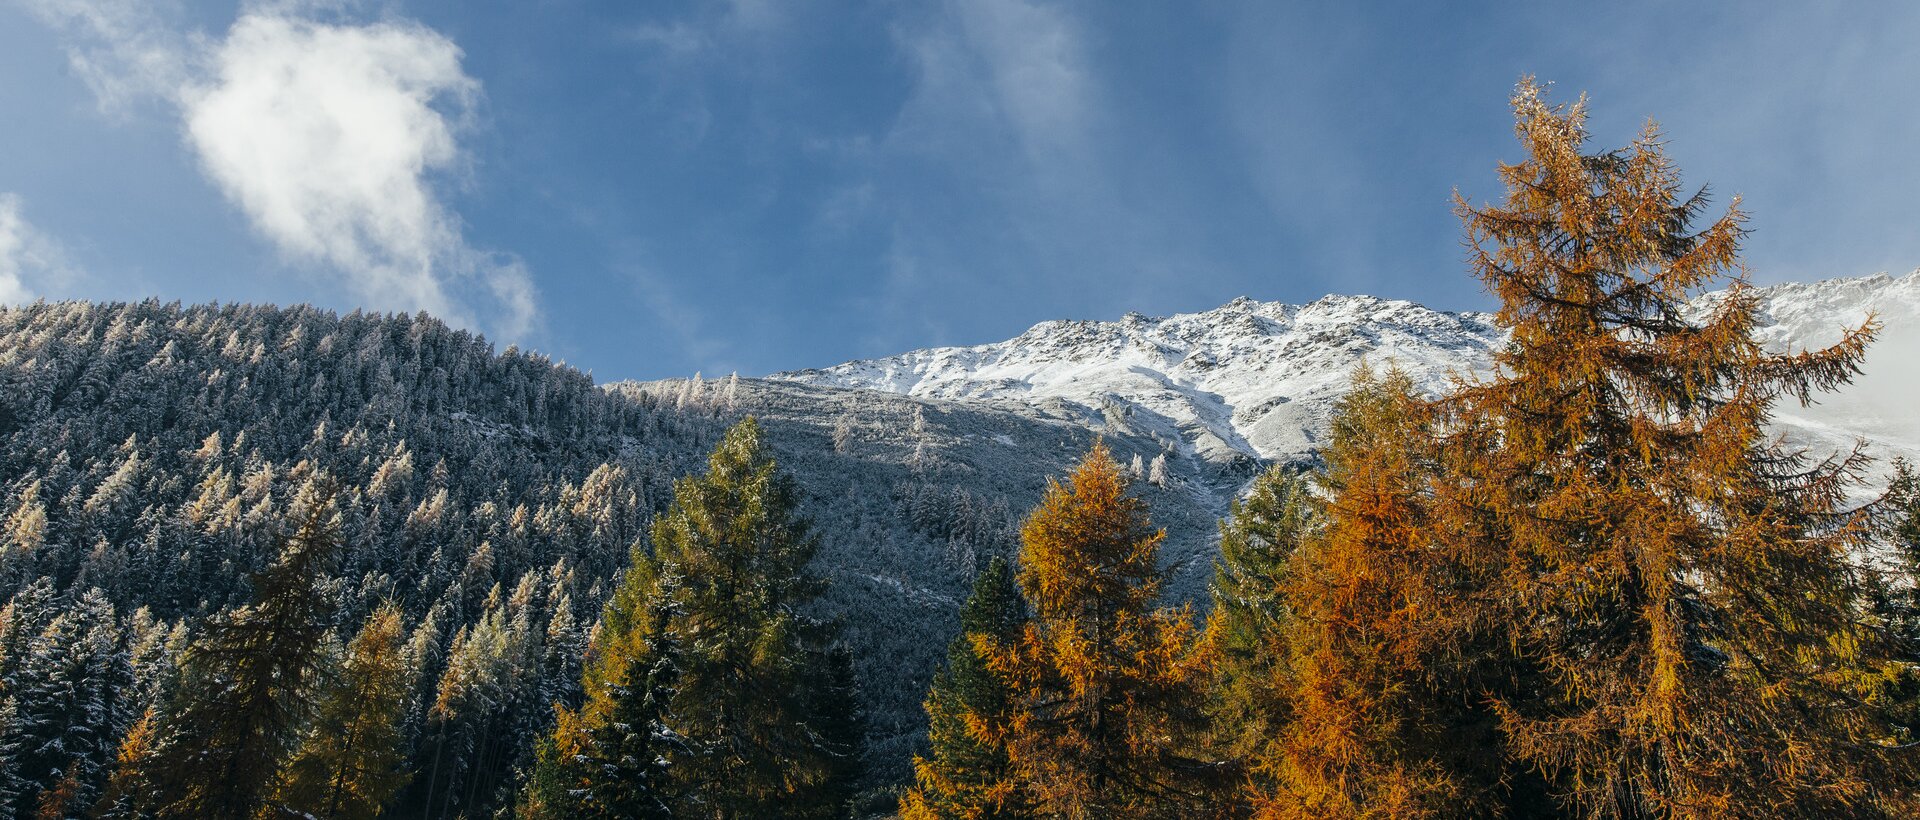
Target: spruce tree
x=607 y=759
x=1679 y=588
x=713 y=692
x=349 y=763
x=248 y=679
x=1250 y=621
x=967 y=775
x=66 y=706
x=1105 y=688
x=757 y=701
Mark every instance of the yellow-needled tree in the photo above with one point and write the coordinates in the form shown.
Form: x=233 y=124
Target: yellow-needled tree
x=1681 y=589
x=1105 y=688
x=350 y=761
x=1380 y=691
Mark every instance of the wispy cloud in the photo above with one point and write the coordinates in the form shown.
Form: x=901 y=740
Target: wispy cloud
x=1034 y=62
x=28 y=257
x=331 y=138
x=124 y=50
x=1011 y=68
x=1010 y=104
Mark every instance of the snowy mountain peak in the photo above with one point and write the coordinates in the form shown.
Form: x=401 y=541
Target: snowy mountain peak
x=1246 y=379
x=1258 y=380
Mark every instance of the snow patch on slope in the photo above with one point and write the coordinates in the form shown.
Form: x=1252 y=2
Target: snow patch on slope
x=1882 y=405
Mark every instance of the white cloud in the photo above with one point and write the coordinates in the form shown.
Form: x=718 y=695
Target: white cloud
x=330 y=137
x=26 y=255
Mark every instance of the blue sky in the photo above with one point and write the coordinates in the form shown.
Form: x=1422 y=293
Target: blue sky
x=647 y=190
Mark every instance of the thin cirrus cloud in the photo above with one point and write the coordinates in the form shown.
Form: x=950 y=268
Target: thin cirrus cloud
x=329 y=137
x=1008 y=91
x=27 y=256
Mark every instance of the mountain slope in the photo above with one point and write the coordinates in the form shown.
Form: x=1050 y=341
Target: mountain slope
x=1257 y=380
x=153 y=451
x=1883 y=403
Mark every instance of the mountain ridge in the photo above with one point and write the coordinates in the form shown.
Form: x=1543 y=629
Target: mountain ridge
x=1258 y=380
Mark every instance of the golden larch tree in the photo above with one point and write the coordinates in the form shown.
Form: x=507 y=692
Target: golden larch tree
x=1677 y=586
x=1105 y=688
x=1382 y=666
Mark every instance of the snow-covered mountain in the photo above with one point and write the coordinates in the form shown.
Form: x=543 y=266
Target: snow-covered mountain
x=1882 y=405
x=1257 y=380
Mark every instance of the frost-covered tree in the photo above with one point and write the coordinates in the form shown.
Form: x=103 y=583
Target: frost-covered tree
x=1157 y=471
x=63 y=707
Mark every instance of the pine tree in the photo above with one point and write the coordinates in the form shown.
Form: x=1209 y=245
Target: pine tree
x=1679 y=587
x=967 y=776
x=349 y=763
x=1105 y=689
x=247 y=680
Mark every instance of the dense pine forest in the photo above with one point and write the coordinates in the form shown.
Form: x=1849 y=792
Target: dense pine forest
x=261 y=562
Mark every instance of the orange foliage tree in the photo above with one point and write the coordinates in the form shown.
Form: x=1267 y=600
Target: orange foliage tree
x=1104 y=688
x=1381 y=675
x=1677 y=588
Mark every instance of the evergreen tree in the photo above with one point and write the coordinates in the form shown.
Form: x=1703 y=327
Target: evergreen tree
x=608 y=759
x=248 y=679
x=66 y=706
x=1679 y=587
x=1250 y=620
x=1896 y=601
x=712 y=693
x=1900 y=590
x=967 y=775
x=349 y=764
x=475 y=720
x=1105 y=689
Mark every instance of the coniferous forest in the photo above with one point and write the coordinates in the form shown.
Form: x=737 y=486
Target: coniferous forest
x=261 y=562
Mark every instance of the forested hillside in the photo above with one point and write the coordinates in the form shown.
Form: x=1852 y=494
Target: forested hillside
x=150 y=455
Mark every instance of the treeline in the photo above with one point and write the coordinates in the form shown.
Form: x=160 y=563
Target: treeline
x=1589 y=585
